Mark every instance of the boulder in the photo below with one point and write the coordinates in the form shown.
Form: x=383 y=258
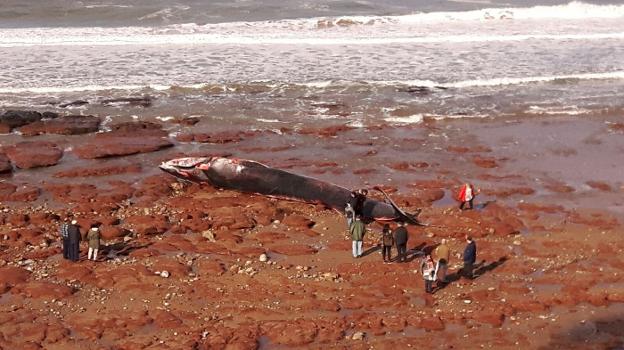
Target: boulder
x=27 y=155
x=15 y=118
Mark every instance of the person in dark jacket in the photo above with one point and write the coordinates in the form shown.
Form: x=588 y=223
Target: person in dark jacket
x=400 y=239
x=470 y=257
x=64 y=235
x=357 y=199
x=73 y=240
x=387 y=241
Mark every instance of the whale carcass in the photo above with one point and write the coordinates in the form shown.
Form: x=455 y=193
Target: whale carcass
x=253 y=177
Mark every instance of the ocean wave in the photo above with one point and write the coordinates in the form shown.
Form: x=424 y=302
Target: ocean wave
x=268 y=85
x=188 y=39
x=419 y=28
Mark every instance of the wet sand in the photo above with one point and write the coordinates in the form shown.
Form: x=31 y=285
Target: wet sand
x=548 y=244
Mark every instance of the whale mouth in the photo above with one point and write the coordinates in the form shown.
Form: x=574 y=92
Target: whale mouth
x=182 y=167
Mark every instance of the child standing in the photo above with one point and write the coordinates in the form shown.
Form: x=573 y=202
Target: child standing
x=94 y=242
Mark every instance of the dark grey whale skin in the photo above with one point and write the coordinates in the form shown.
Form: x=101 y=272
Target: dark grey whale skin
x=253 y=177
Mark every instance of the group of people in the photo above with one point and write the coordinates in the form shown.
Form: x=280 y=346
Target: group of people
x=71 y=238
x=434 y=268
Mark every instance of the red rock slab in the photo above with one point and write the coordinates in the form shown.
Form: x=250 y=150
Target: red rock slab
x=72 y=271
x=27 y=155
x=109 y=232
x=510 y=191
x=290 y=333
x=174 y=267
x=23 y=193
x=147 y=224
x=559 y=187
x=93 y=171
x=4 y=128
x=36 y=290
x=293 y=249
x=493 y=318
x=122 y=143
x=165 y=319
x=482 y=162
x=599 y=185
x=328 y=131
x=298 y=221
x=13 y=275
x=219 y=138
x=209 y=267
x=69 y=125
x=6 y=189
x=5 y=164
x=432 y=323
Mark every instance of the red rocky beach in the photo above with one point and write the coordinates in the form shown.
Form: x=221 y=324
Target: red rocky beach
x=180 y=265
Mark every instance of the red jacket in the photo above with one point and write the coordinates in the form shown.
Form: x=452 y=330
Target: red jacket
x=462 y=193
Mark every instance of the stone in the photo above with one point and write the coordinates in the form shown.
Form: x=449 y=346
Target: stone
x=263 y=258
x=358 y=336
x=164 y=274
x=16 y=118
x=208 y=235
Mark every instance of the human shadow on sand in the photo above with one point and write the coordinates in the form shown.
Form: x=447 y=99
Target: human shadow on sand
x=479 y=270
x=119 y=249
x=371 y=250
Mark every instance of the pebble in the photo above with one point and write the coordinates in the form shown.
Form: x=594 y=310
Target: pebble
x=263 y=258
x=358 y=336
x=164 y=274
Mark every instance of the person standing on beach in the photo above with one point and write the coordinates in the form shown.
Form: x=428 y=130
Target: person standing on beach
x=357 y=199
x=94 y=242
x=470 y=257
x=466 y=195
x=350 y=214
x=428 y=270
x=357 y=231
x=400 y=239
x=442 y=255
x=64 y=235
x=73 y=240
x=387 y=241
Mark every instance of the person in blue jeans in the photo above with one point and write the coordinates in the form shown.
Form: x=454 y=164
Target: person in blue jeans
x=357 y=230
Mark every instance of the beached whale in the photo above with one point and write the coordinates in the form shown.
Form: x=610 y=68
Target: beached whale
x=253 y=177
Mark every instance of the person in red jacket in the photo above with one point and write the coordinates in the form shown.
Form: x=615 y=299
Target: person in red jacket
x=467 y=194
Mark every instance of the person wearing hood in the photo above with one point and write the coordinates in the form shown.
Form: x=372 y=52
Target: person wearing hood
x=94 y=242
x=467 y=194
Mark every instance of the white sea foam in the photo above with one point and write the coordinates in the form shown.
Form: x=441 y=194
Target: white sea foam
x=326 y=84
x=411 y=119
x=421 y=28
